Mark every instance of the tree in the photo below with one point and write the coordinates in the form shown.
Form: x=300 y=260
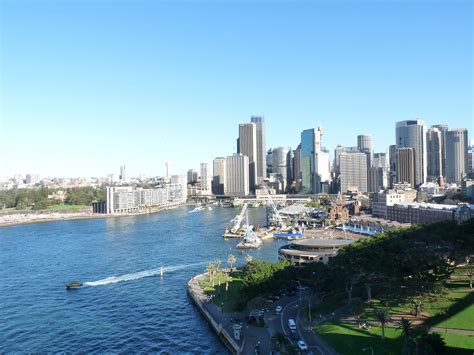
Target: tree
x=231 y=260
x=430 y=344
x=210 y=272
x=383 y=316
x=248 y=258
x=280 y=338
x=470 y=268
x=406 y=326
x=358 y=308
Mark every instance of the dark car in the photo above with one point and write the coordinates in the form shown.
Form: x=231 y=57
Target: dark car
x=294 y=335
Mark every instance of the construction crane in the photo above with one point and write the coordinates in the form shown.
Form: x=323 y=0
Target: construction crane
x=274 y=207
x=239 y=218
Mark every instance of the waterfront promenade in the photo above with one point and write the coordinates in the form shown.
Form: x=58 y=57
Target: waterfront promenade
x=256 y=339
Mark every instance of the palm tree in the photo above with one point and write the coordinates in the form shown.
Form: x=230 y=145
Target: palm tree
x=248 y=259
x=406 y=326
x=383 y=316
x=210 y=272
x=231 y=260
x=280 y=338
x=357 y=309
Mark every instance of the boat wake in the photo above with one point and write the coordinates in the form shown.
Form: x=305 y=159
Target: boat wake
x=140 y=275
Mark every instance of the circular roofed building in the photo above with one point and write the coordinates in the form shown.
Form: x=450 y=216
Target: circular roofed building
x=307 y=251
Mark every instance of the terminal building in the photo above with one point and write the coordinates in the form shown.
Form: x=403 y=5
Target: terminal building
x=305 y=251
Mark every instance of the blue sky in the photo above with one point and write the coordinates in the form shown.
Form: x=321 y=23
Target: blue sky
x=89 y=85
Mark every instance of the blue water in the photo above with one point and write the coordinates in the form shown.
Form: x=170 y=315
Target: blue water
x=126 y=306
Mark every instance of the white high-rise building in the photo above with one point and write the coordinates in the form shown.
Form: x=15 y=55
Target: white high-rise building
x=237 y=175
x=261 y=147
x=123 y=174
x=353 y=168
x=456 y=155
x=248 y=147
x=412 y=134
x=206 y=179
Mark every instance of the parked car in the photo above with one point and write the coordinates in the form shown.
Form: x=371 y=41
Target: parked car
x=302 y=345
x=278 y=309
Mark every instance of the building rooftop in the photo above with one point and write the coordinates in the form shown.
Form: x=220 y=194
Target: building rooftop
x=315 y=242
x=426 y=205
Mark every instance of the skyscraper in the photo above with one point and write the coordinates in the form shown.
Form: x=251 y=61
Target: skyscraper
x=297 y=168
x=456 y=155
x=412 y=134
x=406 y=166
x=219 y=176
x=248 y=147
x=392 y=162
x=443 y=128
x=237 y=175
x=364 y=145
x=282 y=164
x=353 y=171
x=261 y=147
x=206 y=179
x=434 y=153
x=375 y=179
x=192 y=176
x=315 y=173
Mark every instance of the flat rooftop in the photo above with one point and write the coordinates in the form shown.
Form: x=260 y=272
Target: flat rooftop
x=316 y=242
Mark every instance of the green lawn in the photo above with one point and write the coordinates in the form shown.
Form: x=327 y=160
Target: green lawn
x=69 y=208
x=346 y=338
x=222 y=298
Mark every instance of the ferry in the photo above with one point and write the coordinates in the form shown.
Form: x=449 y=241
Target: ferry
x=73 y=284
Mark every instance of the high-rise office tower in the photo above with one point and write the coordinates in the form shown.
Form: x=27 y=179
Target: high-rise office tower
x=392 y=165
x=168 y=169
x=380 y=160
x=470 y=158
x=353 y=168
x=337 y=152
x=261 y=147
x=269 y=161
x=219 y=175
x=364 y=145
x=248 y=147
x=314 y=162
x=206 y=179
x=375 y=179
x=282 y=164
x=443 y=128
x=237 y=175
x=412 y=134
x=406 y=166
x=192 y=176
x=456 y=155
x=434 y=153
x=297 y=168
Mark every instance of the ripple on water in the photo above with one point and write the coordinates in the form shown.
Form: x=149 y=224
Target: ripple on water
x=148 y=314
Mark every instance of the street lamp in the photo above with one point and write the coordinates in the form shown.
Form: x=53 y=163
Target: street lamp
x=371 y=349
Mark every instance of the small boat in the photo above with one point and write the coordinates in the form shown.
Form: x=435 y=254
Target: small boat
x=73 y=284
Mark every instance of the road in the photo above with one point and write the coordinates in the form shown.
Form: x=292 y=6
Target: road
x=292 y=310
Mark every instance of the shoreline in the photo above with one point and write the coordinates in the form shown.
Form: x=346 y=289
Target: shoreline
x=57 y=217
x=196 y=294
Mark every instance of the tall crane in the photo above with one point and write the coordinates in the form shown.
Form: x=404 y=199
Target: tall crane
x=274 y=207
x=239 y=218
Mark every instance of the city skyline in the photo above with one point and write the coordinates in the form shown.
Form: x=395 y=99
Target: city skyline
x=176 y=82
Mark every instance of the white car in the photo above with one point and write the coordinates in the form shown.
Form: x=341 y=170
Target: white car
x=278 y=309
x=302 y=345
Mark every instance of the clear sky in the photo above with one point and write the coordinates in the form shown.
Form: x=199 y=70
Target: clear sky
x=89 y=85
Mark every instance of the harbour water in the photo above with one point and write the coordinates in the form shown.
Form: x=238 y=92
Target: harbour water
x=125 y=306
